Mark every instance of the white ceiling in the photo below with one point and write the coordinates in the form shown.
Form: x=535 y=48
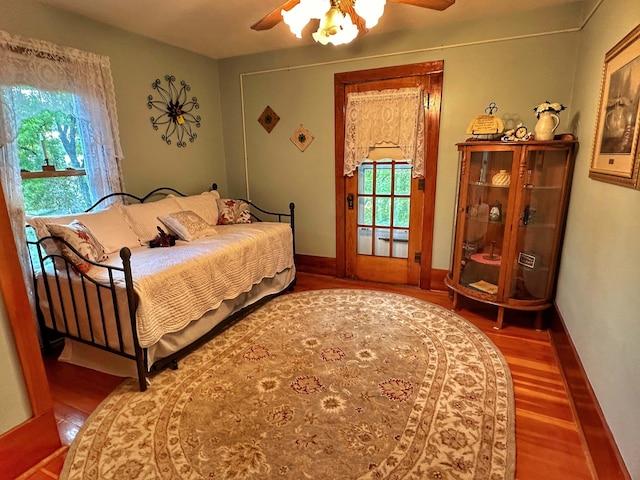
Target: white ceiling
x=220 y=29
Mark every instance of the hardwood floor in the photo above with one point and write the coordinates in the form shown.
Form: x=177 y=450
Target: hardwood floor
x=548 y=442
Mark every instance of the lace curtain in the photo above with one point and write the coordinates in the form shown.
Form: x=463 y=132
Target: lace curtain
x=45 y=66
x=386 y=116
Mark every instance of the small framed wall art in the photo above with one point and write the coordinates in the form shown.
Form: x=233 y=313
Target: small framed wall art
x=301 y=138
x=615 y=156
x=268 y=119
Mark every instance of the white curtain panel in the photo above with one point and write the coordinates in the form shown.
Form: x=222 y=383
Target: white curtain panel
x=50 y=68
x=386 y=116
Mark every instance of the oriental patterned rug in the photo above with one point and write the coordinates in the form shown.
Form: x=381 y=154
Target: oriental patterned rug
x=326 y=384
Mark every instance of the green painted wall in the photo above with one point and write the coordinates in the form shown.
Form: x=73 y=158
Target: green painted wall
x=480 y=66
x=600 y=271
x=135 y=63
x=14 y=400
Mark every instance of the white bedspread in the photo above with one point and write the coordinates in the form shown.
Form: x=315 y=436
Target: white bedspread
x=179 y=284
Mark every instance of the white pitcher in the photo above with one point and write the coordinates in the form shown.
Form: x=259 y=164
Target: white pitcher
x=547 y=124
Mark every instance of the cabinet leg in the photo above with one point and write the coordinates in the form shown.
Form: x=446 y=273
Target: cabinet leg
x=454 y=305
x=539 y=320
x=500 y=318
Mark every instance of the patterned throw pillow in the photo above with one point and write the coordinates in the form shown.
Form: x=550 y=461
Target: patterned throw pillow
x=79 y=237
x=233 y=211
x=204 y=205
x=188 y=225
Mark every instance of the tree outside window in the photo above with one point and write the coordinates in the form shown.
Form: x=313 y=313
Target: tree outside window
x=50 y=126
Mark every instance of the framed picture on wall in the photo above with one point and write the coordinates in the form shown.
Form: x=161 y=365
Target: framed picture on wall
x=615 y=156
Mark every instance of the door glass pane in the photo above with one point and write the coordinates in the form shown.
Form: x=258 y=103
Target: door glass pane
x=364 y=241
x=383 y=243
x=400 y=246
x=365 y=210
x=383 y=211
x=402 y=180
x=365 y=179
x=401 y=212
x=383 y=179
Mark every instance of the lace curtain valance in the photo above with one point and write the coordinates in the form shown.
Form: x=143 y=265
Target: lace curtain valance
x=46 y=66
x=387 y=116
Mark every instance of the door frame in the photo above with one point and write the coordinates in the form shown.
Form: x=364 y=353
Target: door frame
x=433 y=71
x=36 y=438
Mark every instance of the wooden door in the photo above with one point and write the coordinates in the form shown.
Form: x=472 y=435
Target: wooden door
x=374 y=241
x=383 y=237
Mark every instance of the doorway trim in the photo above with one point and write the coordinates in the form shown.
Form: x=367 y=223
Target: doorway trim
x=434 y=70
x=37 y=437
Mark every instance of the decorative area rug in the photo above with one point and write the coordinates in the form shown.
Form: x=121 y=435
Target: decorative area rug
x=326 y=384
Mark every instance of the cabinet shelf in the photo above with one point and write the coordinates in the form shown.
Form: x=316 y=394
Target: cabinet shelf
x=535 y=226
x=523 y=275
x=519 y=268
x=483 y=220
x=533 y=188
x=484 y=184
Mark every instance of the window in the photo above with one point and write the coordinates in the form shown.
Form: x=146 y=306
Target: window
x=62 y=98
x=51 y=155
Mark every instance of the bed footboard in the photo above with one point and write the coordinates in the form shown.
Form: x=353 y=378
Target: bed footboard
x=96 y=308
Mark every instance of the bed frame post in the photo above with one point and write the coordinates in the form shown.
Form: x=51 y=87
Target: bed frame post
x=292 y=207
x=125 y=255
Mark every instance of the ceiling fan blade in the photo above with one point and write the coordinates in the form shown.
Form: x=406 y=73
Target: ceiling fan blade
x=347 y=6
x=432 y=4
x=275 y=17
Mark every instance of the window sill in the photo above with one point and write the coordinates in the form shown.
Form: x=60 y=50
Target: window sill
x=69 y=172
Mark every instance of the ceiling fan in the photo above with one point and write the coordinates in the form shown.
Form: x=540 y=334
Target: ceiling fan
x=330 y=22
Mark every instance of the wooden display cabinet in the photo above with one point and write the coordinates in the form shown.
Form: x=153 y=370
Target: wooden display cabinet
x=512 y=204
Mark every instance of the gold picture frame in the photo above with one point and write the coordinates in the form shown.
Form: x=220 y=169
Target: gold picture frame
x=615 y=156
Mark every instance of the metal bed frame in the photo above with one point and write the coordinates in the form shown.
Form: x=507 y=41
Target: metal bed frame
x=50 y=266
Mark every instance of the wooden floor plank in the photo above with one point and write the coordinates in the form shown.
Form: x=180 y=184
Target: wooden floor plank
x=548 y=443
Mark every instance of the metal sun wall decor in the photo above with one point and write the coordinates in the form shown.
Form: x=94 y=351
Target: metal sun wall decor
x=176 y=116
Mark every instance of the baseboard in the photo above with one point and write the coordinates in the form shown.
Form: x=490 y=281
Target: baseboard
x=437 y=279
x=327 y=266
x=43 y=464
x=315 y=264
x=28 y=443
x=606 y=459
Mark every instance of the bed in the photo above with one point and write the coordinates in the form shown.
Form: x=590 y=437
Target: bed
x=126 y=308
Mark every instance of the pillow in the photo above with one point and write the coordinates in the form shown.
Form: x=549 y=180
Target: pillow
x=108 y=226
x=204 y=205
x=233 y=211
x=39 y=224
x=188 y=225
x=79 y=237
x=143 y=217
